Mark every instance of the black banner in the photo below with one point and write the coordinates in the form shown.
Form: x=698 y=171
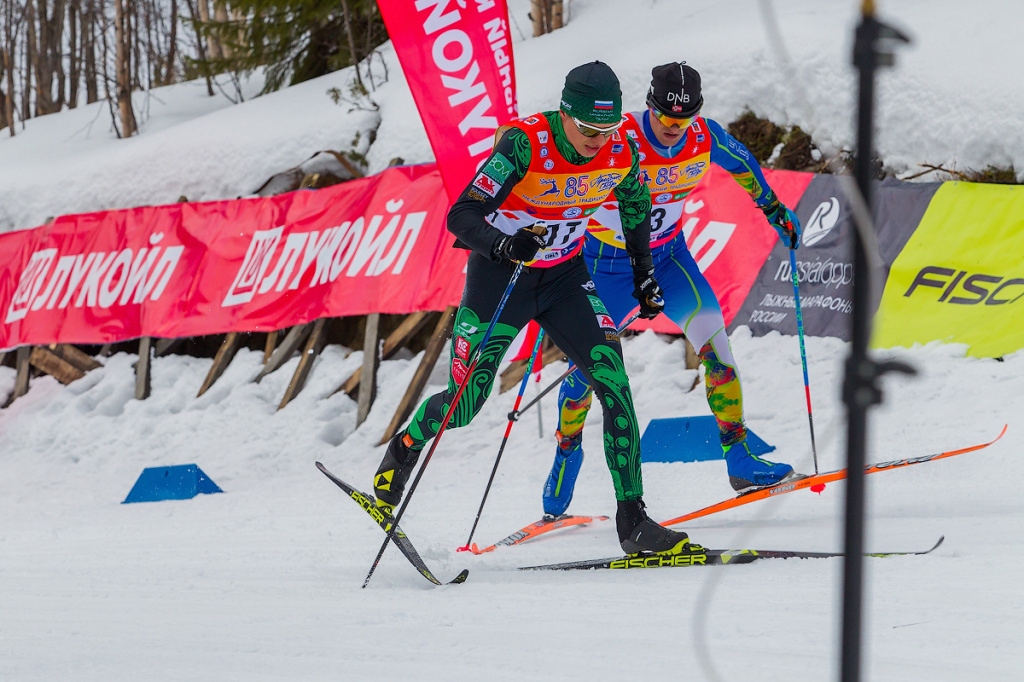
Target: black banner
x=825 y=258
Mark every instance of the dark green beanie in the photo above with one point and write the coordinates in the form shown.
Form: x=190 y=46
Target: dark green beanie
x=592 y=94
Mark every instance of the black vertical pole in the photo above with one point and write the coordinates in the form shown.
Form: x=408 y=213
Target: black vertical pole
x=860 y=390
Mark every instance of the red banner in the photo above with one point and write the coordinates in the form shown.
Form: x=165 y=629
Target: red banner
x=729 y=236
x=377 y=244
x=457 y=58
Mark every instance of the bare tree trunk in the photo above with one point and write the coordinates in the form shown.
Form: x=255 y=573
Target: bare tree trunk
x=92 y=93
x=30 y=58
x=3 y=96
x=199 y=43
x=135 y=52
x=556 y=14
x=7 y=54
x=44 y=76
x=57 y=51
x=48 y=57
x=537 y=15
x=220 y=15
x=74 y=53
x=170 y=76
x=353 y=56
x=212 y=43
x=122 y=38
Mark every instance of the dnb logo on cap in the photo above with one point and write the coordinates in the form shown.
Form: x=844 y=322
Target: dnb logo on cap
x=603 y=104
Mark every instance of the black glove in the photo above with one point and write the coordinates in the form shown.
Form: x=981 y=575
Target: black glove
x=521 y=246
x=646 y=290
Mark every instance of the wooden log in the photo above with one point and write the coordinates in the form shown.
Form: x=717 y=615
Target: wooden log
x=314 y=344
x=371 y=360
x=75 y=356
x=292 y=341
x=21 y=364
x=143 y=382
x=268 y=349
x=225 y=354
x=47 y=361
x=397 y=339
x=439 y=339
x=165 y=346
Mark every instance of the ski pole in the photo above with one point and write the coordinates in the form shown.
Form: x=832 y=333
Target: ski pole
x=514 y=415
x=803 y=353
x=451 y=408
x=508 y=430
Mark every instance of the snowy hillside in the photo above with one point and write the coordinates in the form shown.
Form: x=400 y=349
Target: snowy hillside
x=263 y=581
x=952 y=100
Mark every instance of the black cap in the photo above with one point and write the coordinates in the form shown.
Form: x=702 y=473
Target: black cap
x=675 y=90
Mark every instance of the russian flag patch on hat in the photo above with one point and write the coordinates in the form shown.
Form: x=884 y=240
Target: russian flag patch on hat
x=603 y=104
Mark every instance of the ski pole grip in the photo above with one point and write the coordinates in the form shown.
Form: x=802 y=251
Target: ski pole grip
x=539 y=228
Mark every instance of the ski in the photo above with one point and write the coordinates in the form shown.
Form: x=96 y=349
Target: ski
x=818 y=480
x=369 y=505
x=545 y=525
x=705 y=557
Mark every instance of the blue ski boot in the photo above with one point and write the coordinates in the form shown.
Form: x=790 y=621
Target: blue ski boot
x=747 y=470
x=562 y=479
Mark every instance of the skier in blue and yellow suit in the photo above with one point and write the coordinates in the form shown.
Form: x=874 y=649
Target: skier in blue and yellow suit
x=676 y=147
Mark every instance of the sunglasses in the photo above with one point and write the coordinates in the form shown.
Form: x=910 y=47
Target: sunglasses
x=587 y=130
x=669 y=121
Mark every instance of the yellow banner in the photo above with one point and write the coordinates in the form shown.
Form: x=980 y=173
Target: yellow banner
x=960 y=278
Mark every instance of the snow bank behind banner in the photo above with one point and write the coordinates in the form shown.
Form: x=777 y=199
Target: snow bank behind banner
x=376 y=244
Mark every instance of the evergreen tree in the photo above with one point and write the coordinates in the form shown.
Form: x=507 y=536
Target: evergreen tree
x=296 y=40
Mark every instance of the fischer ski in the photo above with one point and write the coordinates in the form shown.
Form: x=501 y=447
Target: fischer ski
x=369 y=505
x=818 y=480
x=545 y=525
x=705 y=557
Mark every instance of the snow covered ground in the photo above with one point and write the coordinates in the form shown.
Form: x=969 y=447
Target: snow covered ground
x=263 y=582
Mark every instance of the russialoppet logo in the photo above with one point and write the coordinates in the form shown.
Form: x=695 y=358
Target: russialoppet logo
x=980 y=288
x=821 y=222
